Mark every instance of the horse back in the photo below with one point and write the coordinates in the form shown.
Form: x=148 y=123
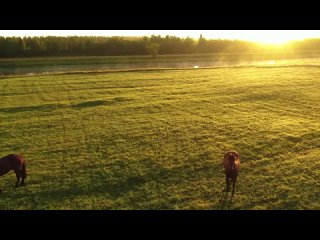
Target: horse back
x=10 y=162
x=5 y=165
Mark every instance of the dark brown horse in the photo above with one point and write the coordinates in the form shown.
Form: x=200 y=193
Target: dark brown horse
x=17 y=164
x=231 y=163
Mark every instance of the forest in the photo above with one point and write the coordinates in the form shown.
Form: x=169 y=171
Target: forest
x=11 y=47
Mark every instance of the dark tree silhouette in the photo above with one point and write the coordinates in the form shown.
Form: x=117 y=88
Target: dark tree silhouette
x=153 y=49
x=116 y=46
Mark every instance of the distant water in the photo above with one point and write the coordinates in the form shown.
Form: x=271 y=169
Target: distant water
x=305 y=62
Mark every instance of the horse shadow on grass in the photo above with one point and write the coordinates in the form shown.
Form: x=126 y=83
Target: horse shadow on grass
x=132 y=183
x=126 y=185
x=39 y=108
x=225 y=200
x=89 y=104
x=97 y=103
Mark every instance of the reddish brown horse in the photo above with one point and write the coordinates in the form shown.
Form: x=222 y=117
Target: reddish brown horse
x=231 y=163
x=17 y=164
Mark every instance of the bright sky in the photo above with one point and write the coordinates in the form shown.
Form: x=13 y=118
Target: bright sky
x=264 y=36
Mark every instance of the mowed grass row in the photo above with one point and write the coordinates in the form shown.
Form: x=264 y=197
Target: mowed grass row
x=156 y=139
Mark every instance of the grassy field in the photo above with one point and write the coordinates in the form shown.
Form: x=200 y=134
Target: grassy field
x=48 y=65
x=156 y=139
x=145 y=59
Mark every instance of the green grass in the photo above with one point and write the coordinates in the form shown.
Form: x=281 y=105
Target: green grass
x=156 y=139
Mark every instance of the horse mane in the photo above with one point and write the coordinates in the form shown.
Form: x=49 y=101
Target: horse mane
x=231 y=160
x=234 y=153
x=21 y=155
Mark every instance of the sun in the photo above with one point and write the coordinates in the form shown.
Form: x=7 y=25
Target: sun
x=271 y=38
x=278 y=37
x=273 y=41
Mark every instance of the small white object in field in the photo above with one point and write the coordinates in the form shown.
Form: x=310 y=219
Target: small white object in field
x=195 y=66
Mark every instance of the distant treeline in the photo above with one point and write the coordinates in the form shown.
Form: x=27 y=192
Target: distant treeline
x=116 y=46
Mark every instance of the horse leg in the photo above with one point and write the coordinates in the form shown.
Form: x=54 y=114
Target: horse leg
x=18 y=175
x=23 y=173
x=233 y=185
x=228 y=184
x=17 y=183
x=234 y=179
x=22 y=181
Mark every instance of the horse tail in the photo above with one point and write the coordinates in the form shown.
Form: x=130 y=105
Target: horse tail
x=24 y=171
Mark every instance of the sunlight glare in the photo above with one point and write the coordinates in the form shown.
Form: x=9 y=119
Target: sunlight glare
x=272 y=39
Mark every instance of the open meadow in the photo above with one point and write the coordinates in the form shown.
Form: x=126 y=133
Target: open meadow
x=155 y=139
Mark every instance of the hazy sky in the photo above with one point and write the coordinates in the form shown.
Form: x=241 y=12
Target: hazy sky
x=268 y=36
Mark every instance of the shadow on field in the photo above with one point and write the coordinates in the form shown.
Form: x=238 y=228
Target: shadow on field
x=89 y=104
x=138 y=184
x=99 y=103
x=45 y=107
x=225 y=201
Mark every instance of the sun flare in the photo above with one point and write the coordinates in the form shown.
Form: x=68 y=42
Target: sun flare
x=268 y=39
x=271 y=37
